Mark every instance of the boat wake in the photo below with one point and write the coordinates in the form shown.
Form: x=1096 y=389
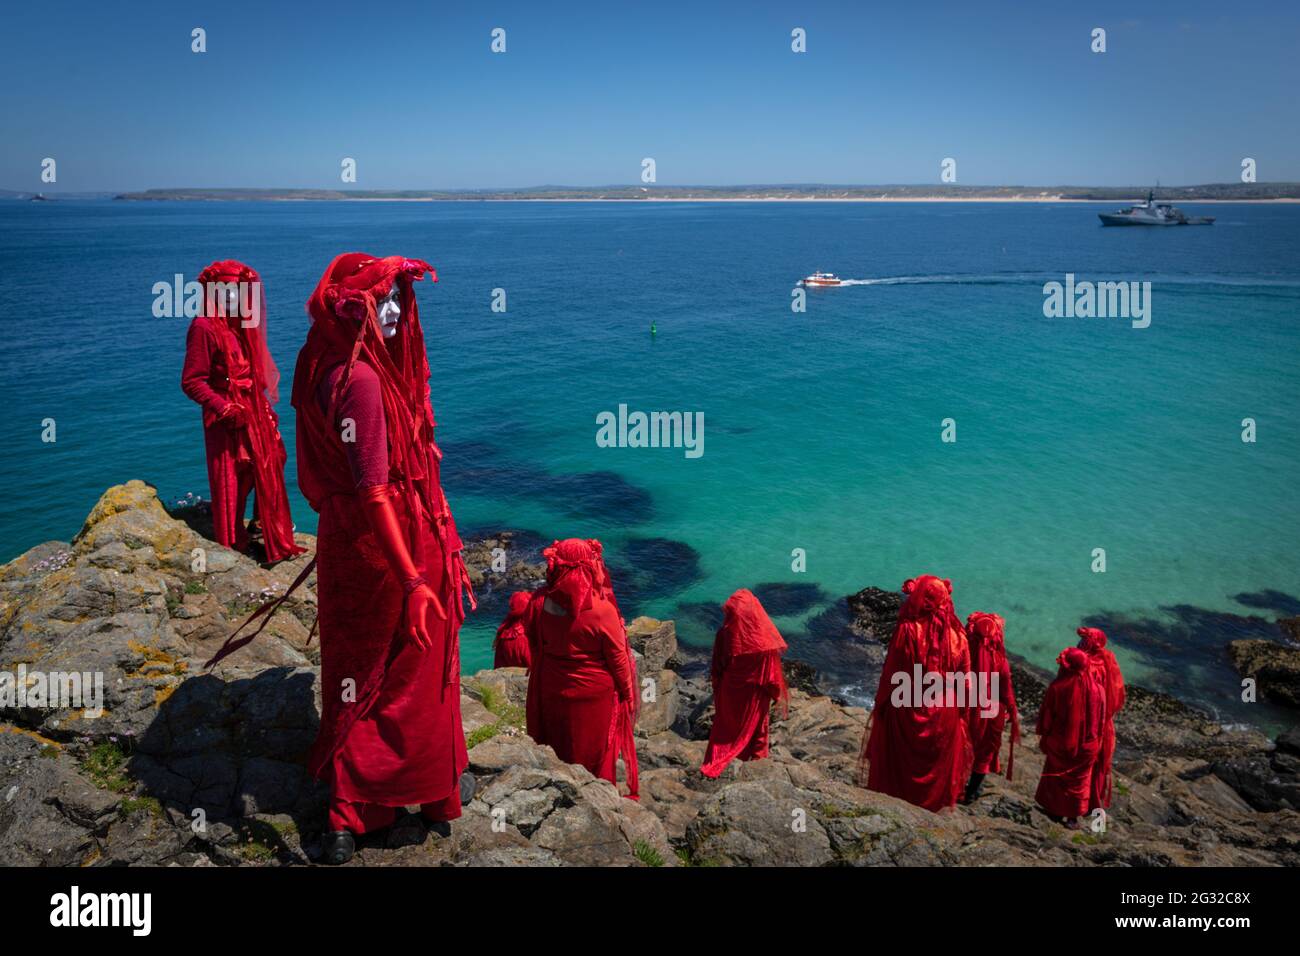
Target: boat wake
x=1003 y=279
x=1034 y=278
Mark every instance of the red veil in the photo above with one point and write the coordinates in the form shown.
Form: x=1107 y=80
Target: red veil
x=747 y=677
x=247 y=333
x=746 y=629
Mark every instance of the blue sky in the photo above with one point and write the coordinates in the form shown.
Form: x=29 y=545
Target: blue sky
x=711 y=91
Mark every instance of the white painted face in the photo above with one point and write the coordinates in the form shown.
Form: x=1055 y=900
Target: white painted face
x=389 y=310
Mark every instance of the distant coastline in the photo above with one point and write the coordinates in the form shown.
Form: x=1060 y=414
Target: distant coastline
x=1211 y=192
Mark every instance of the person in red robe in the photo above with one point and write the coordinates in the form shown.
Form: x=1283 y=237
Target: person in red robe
x=747 y=678
x=1071 y=722
x=582 y=688
x=229 y=372
x=918 y=745
x=991 y=678
x=511 y=645
x=1092 y=641
x=390 y=578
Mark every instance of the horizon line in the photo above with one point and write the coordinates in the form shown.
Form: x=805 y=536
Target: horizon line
x=651 y=187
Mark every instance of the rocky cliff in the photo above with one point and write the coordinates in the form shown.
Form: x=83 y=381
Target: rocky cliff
x=191 y=767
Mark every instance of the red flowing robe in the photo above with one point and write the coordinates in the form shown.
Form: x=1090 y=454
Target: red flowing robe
x=511 y=645
x=226 y=363
x=988 y=658
x=582 y=685
x=1071 y=723
x=747 y=678
x=390 y=732
x=1106 y=668
x=921 y=754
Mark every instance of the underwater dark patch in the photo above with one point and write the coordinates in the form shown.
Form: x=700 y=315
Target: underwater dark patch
x=671 y=564
x=644 y=569
x=786 y=598
x=831 y=624
x=482 y=469
x=1191 y=638
x=1270 y=600
x=697 y=622
x=596 y=495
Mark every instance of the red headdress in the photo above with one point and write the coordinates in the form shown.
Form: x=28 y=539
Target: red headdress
x=929 y=602
x=746 y=628
x=249 y=325
x=1070 y=660
x=1092 y=641
x=1091 y=638
x=519 y=602
x=345 y=327
x=576 y=572
x=1088 y=698
x=987 y=629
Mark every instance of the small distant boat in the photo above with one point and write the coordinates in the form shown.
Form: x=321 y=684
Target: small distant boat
x=1152 y=213
x=821 y=279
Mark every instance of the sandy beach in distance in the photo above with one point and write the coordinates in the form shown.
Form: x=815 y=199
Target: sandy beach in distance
x=896 y=199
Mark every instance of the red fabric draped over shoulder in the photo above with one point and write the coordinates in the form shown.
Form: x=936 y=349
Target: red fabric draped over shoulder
x=1071 y=725
x=747 y=678
x=921 y=754
x=1092 y=641
x=582 y=684
x=988 y=661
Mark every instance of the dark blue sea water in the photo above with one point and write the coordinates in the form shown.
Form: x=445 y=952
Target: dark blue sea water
x=822 y=429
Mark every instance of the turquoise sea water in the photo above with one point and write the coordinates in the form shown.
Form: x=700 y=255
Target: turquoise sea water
x=822 y=429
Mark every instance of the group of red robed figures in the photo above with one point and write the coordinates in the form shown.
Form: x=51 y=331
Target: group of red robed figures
x=392 y=586
x=938 y=753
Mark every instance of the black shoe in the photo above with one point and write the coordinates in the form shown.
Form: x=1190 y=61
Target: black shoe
x=440 y=827
x=337 y=847
x=973 y=788
x=468 y=786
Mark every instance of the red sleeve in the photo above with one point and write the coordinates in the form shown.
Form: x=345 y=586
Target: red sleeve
x=1008 y=689
x=361 y=405
x=614 y=642
x=532 y=621
x=1118 y=693
x=199 y=347
x=719 y=663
